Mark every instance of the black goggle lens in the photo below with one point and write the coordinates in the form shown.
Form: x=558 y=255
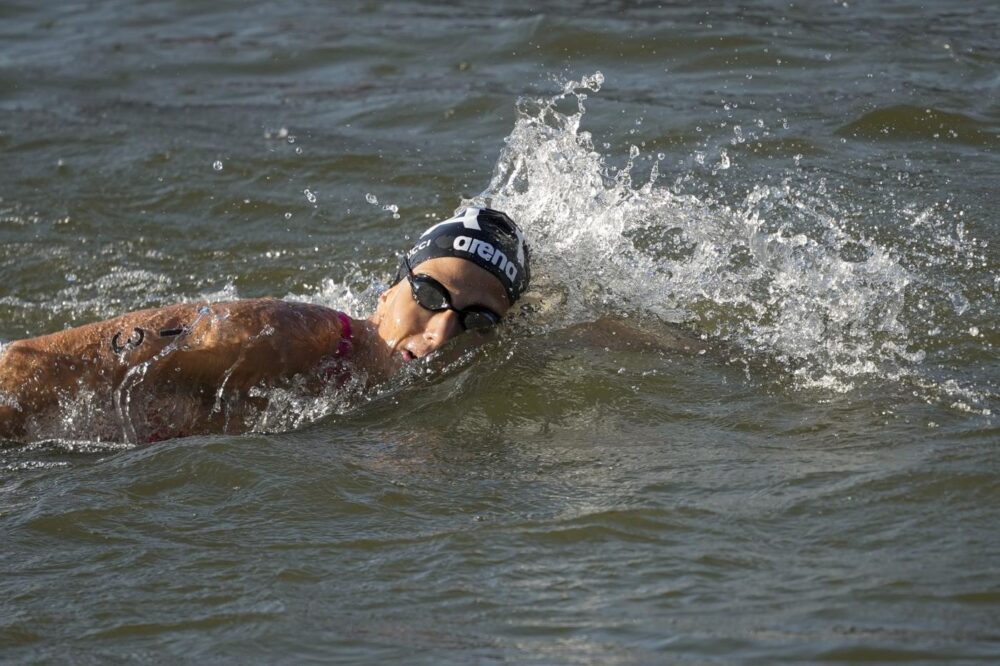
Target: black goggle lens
x=431 y=295
x=478 y=320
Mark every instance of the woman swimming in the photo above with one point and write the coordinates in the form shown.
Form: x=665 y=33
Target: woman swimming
x=200 y=368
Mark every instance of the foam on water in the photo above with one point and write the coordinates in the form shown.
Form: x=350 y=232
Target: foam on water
x=781 y=275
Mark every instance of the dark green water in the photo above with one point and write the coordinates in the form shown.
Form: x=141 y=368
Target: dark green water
x=749 y=415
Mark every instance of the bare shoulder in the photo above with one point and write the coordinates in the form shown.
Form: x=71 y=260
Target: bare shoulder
x=270 y=316
x=255 y=340
x=272 y=309
x=189 y=348
x=136 y=335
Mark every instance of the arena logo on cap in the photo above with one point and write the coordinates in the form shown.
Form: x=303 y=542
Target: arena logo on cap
x=488 y=253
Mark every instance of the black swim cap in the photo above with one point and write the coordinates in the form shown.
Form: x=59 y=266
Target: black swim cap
x=487 y=238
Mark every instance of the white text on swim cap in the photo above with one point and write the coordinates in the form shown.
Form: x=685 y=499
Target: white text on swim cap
x=488 y=253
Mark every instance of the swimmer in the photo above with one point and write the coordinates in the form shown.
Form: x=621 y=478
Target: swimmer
x=202 y=368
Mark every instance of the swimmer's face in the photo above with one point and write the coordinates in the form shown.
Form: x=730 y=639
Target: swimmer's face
x=411 y=330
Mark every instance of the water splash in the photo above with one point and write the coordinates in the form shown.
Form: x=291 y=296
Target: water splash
x=780 y=275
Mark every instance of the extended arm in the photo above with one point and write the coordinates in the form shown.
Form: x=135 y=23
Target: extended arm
x=195 y=348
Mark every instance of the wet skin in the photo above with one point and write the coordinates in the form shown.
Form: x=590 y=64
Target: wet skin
x=185 y=353
x=411 y=331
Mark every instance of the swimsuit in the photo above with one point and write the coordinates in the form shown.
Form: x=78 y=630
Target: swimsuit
x=345 y=335
x=339 y=372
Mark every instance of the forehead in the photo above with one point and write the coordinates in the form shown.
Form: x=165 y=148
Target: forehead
x=468 y=283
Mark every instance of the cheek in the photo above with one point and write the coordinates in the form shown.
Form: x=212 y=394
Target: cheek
x=397 y=317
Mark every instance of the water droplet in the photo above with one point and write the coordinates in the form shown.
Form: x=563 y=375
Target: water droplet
x=309 y=195
x=593 y=82
x=217 y=165
x=288 y=216
x=371 y=198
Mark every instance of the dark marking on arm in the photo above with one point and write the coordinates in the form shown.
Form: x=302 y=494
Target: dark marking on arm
x=133 y=341
x=171 y=332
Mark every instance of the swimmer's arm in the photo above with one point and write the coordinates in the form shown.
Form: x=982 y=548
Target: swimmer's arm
x=195 y=346
x=36 y=373
x=251 y=343
x=101 y=352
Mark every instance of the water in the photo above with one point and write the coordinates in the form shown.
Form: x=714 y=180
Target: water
x=747 y=414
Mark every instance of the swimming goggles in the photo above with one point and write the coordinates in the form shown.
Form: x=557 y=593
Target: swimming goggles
x=432 y=295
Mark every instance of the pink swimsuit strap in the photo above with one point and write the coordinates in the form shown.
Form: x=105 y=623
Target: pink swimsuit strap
x=344 y=345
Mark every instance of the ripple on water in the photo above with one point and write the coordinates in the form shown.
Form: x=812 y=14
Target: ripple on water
x=908 y=123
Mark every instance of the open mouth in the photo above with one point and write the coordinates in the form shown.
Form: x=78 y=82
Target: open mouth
x=407 y=355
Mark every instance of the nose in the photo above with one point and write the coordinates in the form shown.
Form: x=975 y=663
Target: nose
x=443 y=326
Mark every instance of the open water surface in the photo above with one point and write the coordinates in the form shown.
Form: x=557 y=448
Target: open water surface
x=747 y=415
